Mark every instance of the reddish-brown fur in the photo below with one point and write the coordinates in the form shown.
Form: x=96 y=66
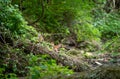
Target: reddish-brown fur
x=56 y=47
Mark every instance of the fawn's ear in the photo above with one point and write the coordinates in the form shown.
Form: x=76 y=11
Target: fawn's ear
x=40 y=38
x=60 y=45
x=52 y=43
x=39 y=35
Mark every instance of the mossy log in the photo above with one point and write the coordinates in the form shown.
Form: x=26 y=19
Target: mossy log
x=65 y=60
x=104 y=72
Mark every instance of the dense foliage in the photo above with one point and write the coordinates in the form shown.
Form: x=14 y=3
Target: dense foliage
x=88 y=23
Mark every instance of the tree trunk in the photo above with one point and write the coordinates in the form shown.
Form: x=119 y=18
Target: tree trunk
x=112 y=5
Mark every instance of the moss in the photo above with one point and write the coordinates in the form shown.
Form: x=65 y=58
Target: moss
x=106 y=72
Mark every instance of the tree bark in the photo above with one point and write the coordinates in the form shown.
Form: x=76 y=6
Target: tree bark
x=111 y=5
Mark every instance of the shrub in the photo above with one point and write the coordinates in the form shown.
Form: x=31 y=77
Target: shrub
x=11 y=19
x=45 y=67
x=108 y=24
x=86 y=32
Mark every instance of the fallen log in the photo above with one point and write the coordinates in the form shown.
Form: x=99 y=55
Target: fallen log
x=72 y=62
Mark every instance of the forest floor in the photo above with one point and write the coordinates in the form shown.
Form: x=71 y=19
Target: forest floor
x=80 y=60
x=95 y=59
x=71 y=54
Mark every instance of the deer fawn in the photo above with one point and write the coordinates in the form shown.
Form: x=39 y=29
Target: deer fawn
x=56 y=47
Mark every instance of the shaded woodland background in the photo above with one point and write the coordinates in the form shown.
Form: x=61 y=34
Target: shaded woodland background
x=59 y=39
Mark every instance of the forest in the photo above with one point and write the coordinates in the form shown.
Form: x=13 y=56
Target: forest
x=59 y=39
